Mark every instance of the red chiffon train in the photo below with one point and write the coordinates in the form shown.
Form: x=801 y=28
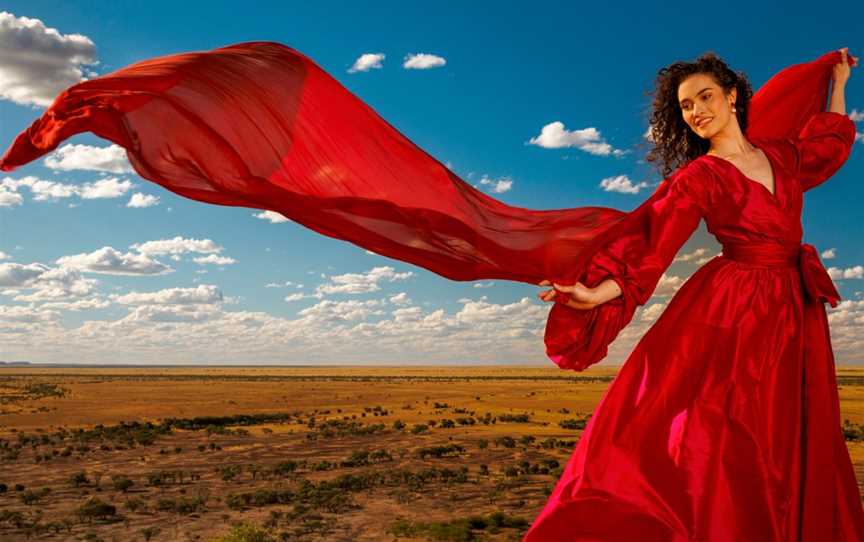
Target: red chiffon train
x=723 y=424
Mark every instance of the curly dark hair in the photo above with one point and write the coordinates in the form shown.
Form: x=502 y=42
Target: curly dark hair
x=675 y=143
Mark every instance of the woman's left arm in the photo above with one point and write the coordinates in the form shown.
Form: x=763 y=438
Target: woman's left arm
x=838 y=83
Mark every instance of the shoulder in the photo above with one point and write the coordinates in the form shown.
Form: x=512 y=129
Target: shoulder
x=781 y=151
x=694 y=180
x=697 y=174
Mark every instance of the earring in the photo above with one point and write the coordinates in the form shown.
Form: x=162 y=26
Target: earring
x=733 y=108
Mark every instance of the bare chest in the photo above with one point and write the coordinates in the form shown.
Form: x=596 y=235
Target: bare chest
x=757 y=169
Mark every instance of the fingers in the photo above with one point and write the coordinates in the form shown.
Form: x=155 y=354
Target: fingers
x=553 y=295
x=560 y=293
x=547 y=295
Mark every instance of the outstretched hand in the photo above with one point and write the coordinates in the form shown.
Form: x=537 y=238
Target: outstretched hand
x=577 y=296
x=842 y=69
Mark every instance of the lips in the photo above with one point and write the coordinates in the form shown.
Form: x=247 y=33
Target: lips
x=703 y=122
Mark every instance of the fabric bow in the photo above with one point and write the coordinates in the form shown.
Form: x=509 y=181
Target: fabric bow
x=817 y=282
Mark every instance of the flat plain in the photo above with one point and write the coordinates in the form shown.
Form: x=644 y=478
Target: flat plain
x=297 y=453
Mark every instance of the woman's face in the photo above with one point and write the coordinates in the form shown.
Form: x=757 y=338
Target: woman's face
x=704 y=106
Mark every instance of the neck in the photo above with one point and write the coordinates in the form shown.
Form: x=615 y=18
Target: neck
x=734 y=144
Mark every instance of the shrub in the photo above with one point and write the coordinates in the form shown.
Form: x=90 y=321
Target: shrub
x=246 y=532
x=95 y=508
x=122 y=483
x=79 y=479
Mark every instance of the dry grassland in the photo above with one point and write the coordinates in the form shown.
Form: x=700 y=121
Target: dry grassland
x=296 y=453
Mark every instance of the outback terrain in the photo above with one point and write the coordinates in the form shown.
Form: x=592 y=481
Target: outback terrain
x=297 y=453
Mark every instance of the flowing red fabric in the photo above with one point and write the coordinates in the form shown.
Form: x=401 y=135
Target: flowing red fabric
x=724 y=422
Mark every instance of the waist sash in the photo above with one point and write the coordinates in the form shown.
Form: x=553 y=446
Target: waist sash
x=817 y=283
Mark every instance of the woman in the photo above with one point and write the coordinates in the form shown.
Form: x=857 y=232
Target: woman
x=724 y=422
x=706 y=432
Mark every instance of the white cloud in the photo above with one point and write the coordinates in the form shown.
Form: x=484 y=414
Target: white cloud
x=341 y=311
x=283 y=285
x=214 y=259
x=555 y=136
x=4 y=256
x=9 y=198
x=621 y=184
x=79 y=305
x=140 y=200
x=87 y=157
x=187 y=325
x=856 y=115
x=46 y=283
x=407 y=314
x=203 y=294
x=423 y=61
x=497 y=186
x=16 y=274
x=846 y=322
x=400 y=299
x=37 y=62
x=856 y=272
x=42 y=190
x=25 y=315
x=651 y=312
x=111 y=187
x=828 y=254
x=358 y=283
x=178 y=245
x=366 y=62
x=667 y=285
x=696 y=255
x=483 y=284
x=272 y=216
x=150 y=314
x=109 y=261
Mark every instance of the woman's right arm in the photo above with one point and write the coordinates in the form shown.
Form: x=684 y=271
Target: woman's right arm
x=623 y=273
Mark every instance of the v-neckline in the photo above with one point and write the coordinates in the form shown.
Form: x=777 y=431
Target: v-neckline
x=774 y=178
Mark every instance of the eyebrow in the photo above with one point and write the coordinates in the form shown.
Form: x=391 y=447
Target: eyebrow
x=697 y=94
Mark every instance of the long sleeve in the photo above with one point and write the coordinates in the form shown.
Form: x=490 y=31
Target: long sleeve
x=635 y=255
x=823 y=145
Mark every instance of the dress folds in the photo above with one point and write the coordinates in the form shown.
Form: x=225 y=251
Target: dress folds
x=722 y=425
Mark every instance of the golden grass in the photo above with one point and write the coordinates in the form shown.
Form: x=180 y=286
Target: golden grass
x=109 y=396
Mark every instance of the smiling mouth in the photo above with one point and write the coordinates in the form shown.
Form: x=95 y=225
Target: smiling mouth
x=704 y=122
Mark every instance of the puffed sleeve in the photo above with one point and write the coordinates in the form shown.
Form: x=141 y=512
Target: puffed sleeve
x=822 y=146
x=635 y=254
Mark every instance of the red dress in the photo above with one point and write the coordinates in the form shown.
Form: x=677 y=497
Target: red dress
x=723 y=423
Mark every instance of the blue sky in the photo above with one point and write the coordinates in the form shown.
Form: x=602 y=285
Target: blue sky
x=98 y=265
